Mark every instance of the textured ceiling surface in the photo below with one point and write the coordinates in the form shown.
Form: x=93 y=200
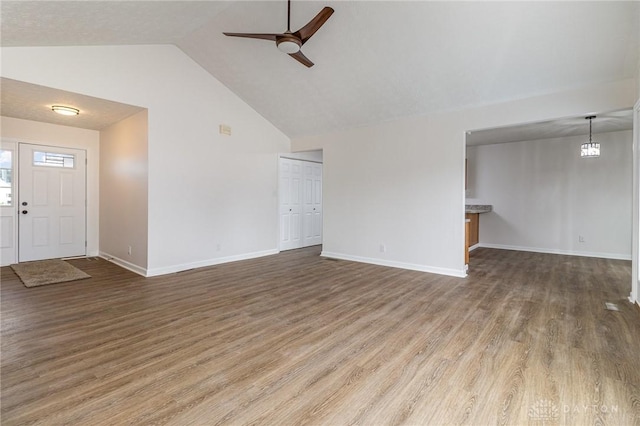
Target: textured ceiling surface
x=608 y=122
x=375 y=60
x=33 y=102
x=71 y=23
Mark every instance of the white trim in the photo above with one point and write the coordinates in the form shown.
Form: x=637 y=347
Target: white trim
x=124 y=264
x=12 y=145
x=185 y=266
x=209 y=262
x=300 y=155
x=393 y=264
x=291 y=157
x=279 y=237
x=615 y=256
x=634 y=296
x=463 y=200
x=475 y=246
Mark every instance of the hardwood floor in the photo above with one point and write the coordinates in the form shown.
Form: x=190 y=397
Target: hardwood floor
x=298 y=339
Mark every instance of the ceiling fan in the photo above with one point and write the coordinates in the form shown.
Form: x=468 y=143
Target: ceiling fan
x=289 y=42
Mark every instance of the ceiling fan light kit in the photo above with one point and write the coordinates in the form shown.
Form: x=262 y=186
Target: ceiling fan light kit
x=289 y=42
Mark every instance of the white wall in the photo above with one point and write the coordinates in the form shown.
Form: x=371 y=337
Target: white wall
x=212 y=198
x=35 y=132
x=401 y=183
x=124 y=192
x=545 y=196
x=398 y=183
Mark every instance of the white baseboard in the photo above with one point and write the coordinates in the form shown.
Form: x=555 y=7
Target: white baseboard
x=124 y=264
x=209 y=262
x=555 y=251
x=393 y=264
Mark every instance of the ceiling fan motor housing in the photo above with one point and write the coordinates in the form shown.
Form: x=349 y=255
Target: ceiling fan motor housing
x=288 y=43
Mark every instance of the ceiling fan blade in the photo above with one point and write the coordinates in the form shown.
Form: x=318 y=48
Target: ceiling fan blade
x=299 y=56
x=314 y=25
x=271 y=37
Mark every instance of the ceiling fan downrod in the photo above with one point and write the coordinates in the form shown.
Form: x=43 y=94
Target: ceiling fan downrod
x=291 y=42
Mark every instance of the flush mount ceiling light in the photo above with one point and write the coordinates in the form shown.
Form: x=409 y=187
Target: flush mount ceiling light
x=591 y=148
x=65 y=110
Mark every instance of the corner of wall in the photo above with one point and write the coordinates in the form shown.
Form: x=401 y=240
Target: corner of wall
x=124 y=192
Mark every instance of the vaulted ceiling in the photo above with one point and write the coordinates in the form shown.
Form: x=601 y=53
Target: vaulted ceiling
x=375 y=60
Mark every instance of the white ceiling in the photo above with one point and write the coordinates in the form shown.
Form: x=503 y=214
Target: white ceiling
x=375 y=60
x=33 y=102
x=607 y=122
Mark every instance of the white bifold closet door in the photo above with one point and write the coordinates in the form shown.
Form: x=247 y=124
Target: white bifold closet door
x=300 y=191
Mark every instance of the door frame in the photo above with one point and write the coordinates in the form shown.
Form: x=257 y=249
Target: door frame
x=294 y=209
x=299 y=156
x=48 y=147
x=634 y=297
x=15 y=142
x=11 y=145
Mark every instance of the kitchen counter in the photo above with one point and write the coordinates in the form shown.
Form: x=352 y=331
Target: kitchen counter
x=478 y=208
x=472 y=225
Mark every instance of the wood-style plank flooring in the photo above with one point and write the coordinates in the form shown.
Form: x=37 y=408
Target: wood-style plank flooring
x=297 y=339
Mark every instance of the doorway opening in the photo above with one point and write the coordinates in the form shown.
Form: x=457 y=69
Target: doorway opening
x=44 y=202
x=300 y=209
x=545 y=196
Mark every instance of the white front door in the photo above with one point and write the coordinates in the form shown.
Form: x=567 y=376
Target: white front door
x=290 y=189
x=312 y=220
x=52 y=202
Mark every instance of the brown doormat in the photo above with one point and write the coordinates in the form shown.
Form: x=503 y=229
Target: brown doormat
x=42 y=272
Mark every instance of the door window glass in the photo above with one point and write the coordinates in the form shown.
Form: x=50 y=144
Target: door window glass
x=53 y=159
x=6 y=177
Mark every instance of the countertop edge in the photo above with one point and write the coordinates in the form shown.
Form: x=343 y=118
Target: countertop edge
x=478 y=208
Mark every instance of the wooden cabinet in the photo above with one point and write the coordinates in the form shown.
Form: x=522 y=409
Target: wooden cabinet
x=474 y=228
x=466 y=242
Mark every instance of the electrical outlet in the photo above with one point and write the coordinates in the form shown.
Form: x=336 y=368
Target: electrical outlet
x=383 y=248
x=580 y=239
x=218 y=247
x=129 y=250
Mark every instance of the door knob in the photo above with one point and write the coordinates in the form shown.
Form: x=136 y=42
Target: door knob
x=24 y=203
x=24 y=212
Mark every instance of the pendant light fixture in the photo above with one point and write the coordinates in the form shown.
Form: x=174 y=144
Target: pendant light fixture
x=591 y=148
